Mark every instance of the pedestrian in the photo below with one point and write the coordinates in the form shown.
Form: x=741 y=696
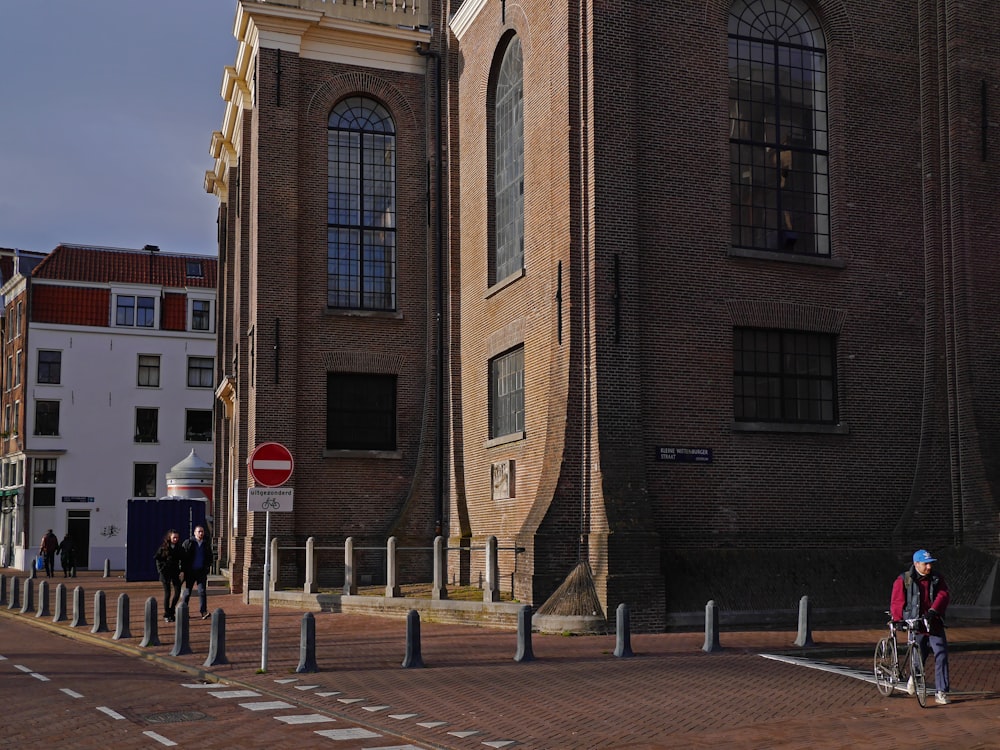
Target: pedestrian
x=47 y=549
x=168 y=565
x=920 y=592
x=196 y=561
x=66 y=556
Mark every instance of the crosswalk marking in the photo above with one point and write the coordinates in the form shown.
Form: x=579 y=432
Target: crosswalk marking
x=356 y=733
x=351 y=700
x=267 y=706
x=374 y=708
x=500 y=743
x=40 y=677
x=286 y=680
x=403 y=716
x=465 y=733
x=110 y=712
x=304 y=719
x=70 y=693
x=431 y=724
x=160 y=738
x=23 y=668
x=203 y=685
x=236 y=694
x=328 y=693
x=306 y=687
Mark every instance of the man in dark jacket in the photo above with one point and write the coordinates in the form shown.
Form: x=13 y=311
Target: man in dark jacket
x=196 y=561
x=48 y=547
x=920 y=592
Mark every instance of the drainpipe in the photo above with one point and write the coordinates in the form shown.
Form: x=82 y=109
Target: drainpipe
x=439 y=312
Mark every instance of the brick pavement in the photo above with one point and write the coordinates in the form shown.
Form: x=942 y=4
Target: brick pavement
x=576 y=694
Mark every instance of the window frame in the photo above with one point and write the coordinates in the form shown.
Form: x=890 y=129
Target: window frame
x=135 y=479
x=507 y=164
x=142 y=434
x=506 y=411
x=47 y=368
x=188 y=431
x=44 y=420
x=134 y=308
x=149 y=369
x=193 y=370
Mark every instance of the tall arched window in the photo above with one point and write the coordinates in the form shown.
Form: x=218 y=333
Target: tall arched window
x=361 y=206
x=778 y=128
x=508 y=164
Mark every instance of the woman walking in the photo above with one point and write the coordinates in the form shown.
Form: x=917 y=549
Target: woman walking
x=168 y=565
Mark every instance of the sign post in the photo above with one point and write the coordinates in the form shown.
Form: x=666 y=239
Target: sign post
x=270 y=466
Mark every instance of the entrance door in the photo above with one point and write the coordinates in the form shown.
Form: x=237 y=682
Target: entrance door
x=78 y=526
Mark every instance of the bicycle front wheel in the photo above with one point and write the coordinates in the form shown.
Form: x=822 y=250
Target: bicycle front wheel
x=885 y=666
x=917 y=672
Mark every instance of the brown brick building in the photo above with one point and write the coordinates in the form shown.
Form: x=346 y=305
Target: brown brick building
x=679 y=296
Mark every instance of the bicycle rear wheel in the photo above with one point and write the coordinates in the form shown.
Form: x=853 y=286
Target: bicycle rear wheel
x=885 y=666
x=917 y=672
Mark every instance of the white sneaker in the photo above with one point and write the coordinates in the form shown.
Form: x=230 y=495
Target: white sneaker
x=911 y=689
x=942 y=698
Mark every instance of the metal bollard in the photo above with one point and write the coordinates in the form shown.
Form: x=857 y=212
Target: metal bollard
x=150 y=633
x=60 y=607
x=623 y=631
x=805 y=632
x=217 y=640
x=181 y=630
x=307 y=645
x=100 y=613
x=524 y=652
x=107 y=568
x=29 y=596
x=15 y=594
x=79 y=615
x=711 y=628
x=122 y=629
x=43 y=600
x=412 y=659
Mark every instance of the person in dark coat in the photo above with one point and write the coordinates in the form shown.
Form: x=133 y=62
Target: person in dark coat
x=47 y=549
x=168 y=565
x=67 y=557
x=196 y=562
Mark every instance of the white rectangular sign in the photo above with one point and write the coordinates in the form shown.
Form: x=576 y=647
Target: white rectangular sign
x=274 y=499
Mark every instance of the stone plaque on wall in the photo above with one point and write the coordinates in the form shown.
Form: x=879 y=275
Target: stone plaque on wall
x=503 y=480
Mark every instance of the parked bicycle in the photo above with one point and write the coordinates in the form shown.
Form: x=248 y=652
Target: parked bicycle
x=902 y=670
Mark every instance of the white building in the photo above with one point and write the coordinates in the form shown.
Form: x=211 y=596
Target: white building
x=108 y=381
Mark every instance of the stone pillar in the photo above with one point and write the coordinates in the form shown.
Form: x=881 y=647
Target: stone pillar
x=79 y=615
x=391 y=569
x=311 y=586
x=217 y=640
x=711 y=628
x=524 y=651
x=100 y=613
x=43 y=600
x=307 y=645
x=491 y=591
x=350 y=577
x=150 y=633
x=623 y=631
x=439 y=589
x=122 y=629
x=60 y=608
x=181 y=630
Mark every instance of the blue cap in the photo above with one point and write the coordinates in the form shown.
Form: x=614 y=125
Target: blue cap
x=923 y=556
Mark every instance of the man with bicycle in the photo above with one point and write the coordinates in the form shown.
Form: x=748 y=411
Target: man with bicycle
x=920 y=592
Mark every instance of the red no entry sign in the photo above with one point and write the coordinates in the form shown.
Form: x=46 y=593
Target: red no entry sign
x=271 y=464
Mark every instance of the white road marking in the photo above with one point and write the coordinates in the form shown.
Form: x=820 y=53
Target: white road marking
x=396 y=747
x=351 y=700
x=500 y=743
x=356 y=733
x=267 y=706
x=70 y=693
x=824 y=667
x=23 y=668
x=236 y=694
x=328 y=693
x=286 y=680
x=373 y=709
x=41 y=677
x=3 y=658
x=403 y=716
x=304 y=719
x=160 y=738
x=431 y=724
x=204 y=685
x=463 y=735
x=306 y=687
x=110 y=712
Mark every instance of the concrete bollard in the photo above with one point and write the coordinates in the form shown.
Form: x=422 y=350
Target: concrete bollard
x=439 y=590
x=350 y=577
x=79 y=615
x=412 y=659
x=491 y=593
x=3 y=589
x=43 y=600
x=307 y=645
x=217 y=640
x=391 y=569
x=311 y=586
x=100 y=613
x=107 y=568
x=623 y=631
x=122 y=629
x=711 y=628
x=32 y=570
x=275 y=567
x=60 y=607
x=524 y=652
x=15 y=594
x=805 y=631
x=150 y=632
x=182 y=644
x=29 y=596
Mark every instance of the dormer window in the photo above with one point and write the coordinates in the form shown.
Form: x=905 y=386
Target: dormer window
x=201 y=315
x=135 y=311
x=194 y=269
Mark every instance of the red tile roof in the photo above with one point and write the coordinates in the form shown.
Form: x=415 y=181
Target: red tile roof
x=111 y=265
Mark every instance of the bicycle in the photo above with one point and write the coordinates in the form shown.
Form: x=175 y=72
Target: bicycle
x=891 y=671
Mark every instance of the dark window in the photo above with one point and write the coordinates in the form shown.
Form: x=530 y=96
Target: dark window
x=784 y=376
x=43 y=471
x=360 y=411
x=198 y=425
x=778 y=128
x=149 y=370
x=201 y=372
x=361 y=206
x=201 y=310
x=194 y=269
x=144 y=480
x=46 y=417
x=49 y=366
x=146 y=425
x=43 y=497
x=508 y=177
x=507 y=393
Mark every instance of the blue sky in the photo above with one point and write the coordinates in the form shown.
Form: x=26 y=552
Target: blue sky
x=107 y=109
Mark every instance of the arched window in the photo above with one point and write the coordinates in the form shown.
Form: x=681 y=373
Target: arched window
x=508 y=165
x=778 y=128
x=361 y=206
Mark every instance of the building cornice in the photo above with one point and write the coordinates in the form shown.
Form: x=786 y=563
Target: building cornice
x=463 y=18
